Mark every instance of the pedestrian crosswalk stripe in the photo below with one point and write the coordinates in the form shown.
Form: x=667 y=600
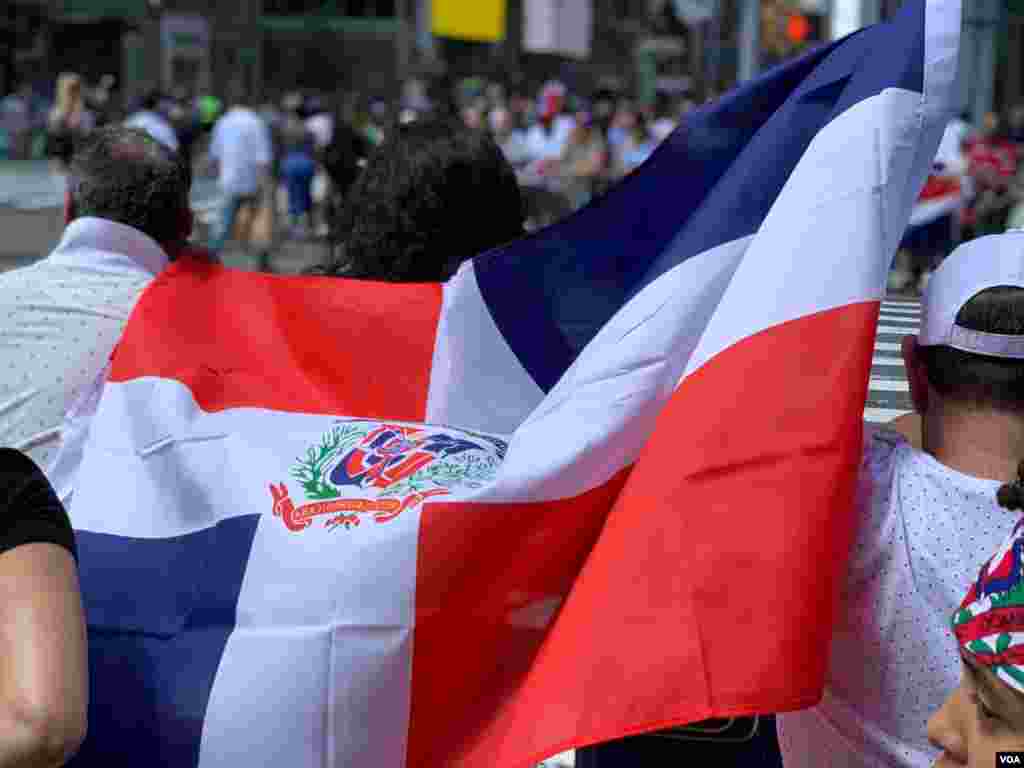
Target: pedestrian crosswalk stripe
x=899 y=318
x=883 y=415
x=895 y=362
x=900 y=310
x=894 y=329
x=889 y=385
x=886 y=346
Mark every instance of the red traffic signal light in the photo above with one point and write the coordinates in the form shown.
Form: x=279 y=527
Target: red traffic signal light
x=798 y=28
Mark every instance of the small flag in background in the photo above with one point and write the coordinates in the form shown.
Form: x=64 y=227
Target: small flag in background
x=582 y=490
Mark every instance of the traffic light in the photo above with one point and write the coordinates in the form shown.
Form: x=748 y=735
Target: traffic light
x=798 y=28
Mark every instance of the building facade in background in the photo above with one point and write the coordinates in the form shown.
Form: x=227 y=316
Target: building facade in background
x=697 y=48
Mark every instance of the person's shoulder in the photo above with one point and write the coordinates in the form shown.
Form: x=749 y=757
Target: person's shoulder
x=17 y=472
x=24 y=284
x=14 y=461
x=881 y=445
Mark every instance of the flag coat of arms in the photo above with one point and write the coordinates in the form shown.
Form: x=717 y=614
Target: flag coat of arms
x=599 y=483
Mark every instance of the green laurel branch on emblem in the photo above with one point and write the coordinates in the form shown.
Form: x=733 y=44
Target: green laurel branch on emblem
x=980 y=646
x=464 y=470
x=309 y=471
x=962 y=616
x=1002 y=643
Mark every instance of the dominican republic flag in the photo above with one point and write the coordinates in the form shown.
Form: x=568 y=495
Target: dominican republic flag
x=599 y=483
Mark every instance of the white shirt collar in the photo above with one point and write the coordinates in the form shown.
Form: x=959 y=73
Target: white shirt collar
x=99 y=243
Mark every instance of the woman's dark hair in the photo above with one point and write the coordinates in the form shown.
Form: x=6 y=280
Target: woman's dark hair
x=432 y=196
x=1011 y=495
x=981 y=380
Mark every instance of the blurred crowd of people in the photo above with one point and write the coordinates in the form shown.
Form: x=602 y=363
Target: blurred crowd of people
x=985 y=163
x=565 y=146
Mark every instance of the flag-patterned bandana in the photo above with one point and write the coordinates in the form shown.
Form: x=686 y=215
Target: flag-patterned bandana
x=989 y=625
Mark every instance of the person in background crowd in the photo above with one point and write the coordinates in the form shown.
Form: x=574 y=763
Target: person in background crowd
x=242 y=148
x=298 y=168
x=127 y=215
x=637 y=147
x=319 y=124
x=69 y=122
x=519 y=106
x=603 y=114
x=666 y=118
x=379 y=118
x=547 y=139
x=102 y=102
x=16 y=114
x=984 y=714
x=346 y=154
x=432 y=196
x=494 y=97
x=473 y=118
x=992 y=165
x=184 y=119
x=622 y=124
x=510 y=138
x=343 y=159
x=210 y=109
x=584 y=161
x=924 y=517
x=44 y=671
x=150 y=119
x=415 y=96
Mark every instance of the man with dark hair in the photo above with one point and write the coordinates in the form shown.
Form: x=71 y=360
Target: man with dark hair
x=126 y=176
x=432 y=196
x=925 y=518
x=127 y=213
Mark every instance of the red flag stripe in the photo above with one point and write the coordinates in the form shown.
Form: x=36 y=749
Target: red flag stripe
x=746 y=513
x=238 y=339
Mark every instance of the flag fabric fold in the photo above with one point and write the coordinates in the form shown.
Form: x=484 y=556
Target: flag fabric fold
x=599 y=483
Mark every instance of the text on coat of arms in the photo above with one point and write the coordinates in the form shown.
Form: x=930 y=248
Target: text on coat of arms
x=380 y=469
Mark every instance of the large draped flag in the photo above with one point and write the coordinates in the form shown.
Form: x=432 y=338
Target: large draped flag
x=599 y=483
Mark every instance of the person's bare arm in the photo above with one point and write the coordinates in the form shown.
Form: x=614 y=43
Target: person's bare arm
x=43 y=660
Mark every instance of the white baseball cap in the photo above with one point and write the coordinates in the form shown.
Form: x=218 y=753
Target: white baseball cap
x=979 y=264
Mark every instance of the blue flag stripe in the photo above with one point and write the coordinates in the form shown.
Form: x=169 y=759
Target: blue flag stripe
x=712 y=182
x=160 y=612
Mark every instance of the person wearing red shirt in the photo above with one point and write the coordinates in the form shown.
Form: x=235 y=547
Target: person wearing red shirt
x=992 y=164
